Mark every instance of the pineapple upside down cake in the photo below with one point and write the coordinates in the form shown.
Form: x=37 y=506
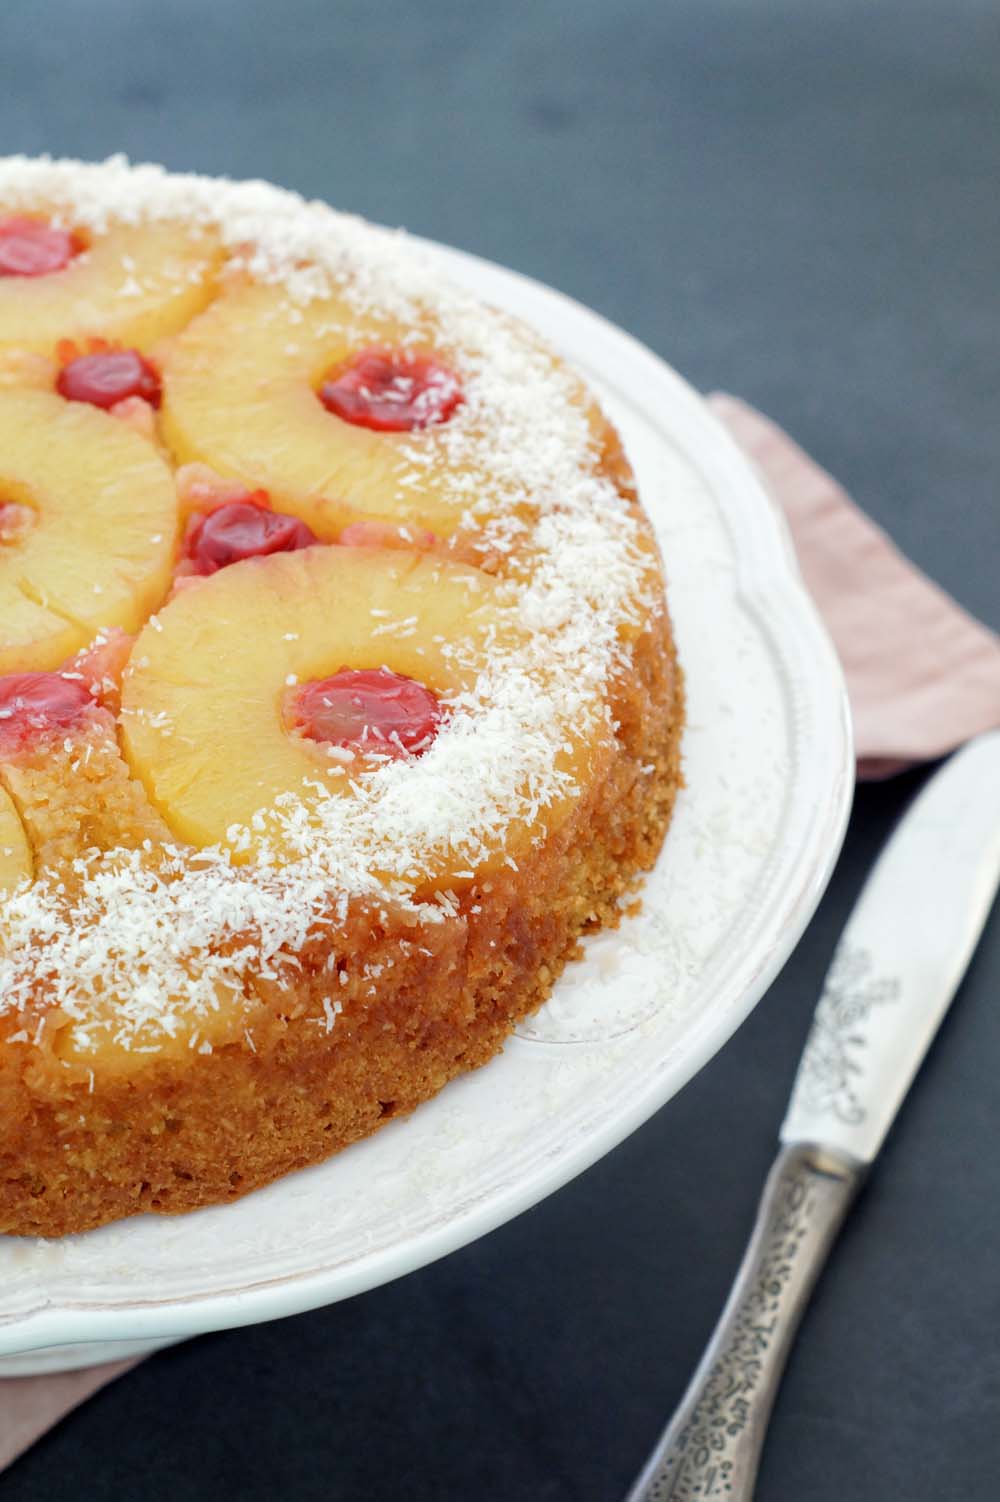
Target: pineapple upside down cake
x=338 y=696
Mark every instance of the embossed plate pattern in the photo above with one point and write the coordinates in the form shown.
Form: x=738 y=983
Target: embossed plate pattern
x=769 y=772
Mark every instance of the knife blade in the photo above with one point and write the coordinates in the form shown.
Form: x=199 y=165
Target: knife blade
x=893 y=976
x=899 y=961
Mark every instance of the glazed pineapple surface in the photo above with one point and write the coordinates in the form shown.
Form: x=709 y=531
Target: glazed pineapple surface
x=338 y=697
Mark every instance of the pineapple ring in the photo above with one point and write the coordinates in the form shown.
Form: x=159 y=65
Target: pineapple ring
x=204 y=723
x=132 y=284
x=100 y=550
x=15 y=853
x=240 y=395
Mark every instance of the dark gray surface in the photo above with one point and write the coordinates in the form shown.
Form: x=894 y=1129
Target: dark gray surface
x=795 y=201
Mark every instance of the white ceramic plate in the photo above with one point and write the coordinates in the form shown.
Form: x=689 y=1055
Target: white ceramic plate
x=768 y=763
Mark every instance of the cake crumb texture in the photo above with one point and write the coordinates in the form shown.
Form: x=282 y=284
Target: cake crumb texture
x=228 y=950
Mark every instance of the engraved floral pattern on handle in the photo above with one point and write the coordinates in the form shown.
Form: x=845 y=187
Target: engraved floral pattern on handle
x=834 y=1052
x=711 y=1449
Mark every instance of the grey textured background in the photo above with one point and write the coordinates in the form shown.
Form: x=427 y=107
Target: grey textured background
x=797 y=202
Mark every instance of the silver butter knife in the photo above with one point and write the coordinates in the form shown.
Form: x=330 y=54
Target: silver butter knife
x=897 y=966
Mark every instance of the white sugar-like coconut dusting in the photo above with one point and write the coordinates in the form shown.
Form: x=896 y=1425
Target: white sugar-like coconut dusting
x=140 y=940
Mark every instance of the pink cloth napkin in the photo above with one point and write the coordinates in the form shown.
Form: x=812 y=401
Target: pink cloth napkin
x=922 y=675
x=30 y=1405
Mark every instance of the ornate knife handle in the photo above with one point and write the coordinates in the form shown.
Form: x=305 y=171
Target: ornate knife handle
x=711 y=1447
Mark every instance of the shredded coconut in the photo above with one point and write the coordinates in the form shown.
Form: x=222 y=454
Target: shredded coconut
x=137 y=941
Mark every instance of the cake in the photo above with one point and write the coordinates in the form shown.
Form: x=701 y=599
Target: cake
x=338 y=695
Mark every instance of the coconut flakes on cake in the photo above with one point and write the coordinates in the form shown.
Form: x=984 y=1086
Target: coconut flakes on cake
x=162 y=937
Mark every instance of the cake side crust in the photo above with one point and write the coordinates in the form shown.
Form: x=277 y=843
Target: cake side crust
x=285 y=855
x=175 y=1136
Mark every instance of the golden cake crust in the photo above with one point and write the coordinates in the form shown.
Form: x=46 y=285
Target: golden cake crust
x=172 y=1137
x=313 y=1053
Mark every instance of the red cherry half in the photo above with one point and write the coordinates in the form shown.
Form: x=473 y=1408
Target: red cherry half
x=244 y=529
x=368 y=709
x=34 y=703
x=30 y=247
x=391 y=391
x=108 y=377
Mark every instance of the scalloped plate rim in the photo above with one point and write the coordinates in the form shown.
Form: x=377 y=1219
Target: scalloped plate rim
x=770 y=589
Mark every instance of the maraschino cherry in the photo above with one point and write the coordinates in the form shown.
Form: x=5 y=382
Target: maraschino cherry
x=244 y=529
x=368 y=709
x=30 y=247
x=391 y=391
x=106 y=377
x=35 y=703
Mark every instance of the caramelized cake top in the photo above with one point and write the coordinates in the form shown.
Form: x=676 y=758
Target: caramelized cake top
x=457 y=426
